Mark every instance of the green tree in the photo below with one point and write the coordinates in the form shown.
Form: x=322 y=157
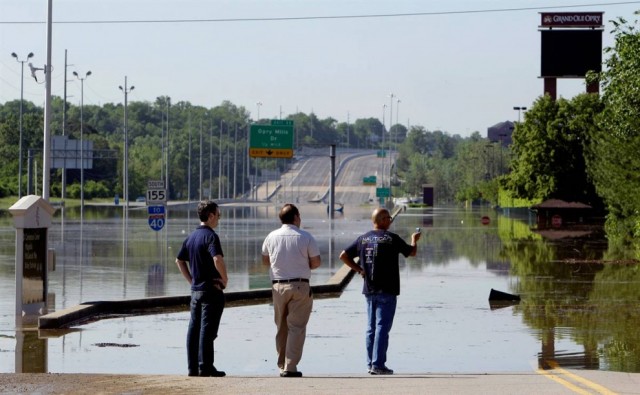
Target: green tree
x=614 y=146
x=549 y=150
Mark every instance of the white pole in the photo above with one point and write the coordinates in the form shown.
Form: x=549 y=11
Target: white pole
x=46 y=154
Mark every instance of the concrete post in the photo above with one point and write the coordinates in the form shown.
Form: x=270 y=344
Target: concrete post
x=32 y=218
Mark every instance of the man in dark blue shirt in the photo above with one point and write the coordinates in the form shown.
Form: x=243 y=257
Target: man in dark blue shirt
x=201 y=262
x=377 y=252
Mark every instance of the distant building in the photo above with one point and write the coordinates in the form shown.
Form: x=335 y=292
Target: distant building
x=501 y=133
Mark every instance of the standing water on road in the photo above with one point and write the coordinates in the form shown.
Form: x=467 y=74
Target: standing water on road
x=577 y=309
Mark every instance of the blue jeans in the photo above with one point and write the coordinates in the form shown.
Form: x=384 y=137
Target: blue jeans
x=206 y=310
x=381 y=308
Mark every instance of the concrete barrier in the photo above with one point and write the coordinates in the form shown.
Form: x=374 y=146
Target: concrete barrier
x=93 y=311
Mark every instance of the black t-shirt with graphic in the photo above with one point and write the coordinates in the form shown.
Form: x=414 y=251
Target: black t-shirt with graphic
x=378 y=252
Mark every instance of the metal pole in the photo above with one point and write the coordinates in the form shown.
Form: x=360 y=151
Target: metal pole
x=332 y=194
x=46 y=151
x=125 y=161
x=228 y=187
x=235 y=161
x=21 y=112
x=189 y=163
x=210 y=159
x=220 y=163
x=82 y=139
x=390 y=126
x=166 y=173
x=384 y=108
x=200 y=161
x=394 y=140
x=63 y=189
x=81 y=147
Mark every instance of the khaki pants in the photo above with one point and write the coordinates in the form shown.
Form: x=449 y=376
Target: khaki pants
x=292 y=303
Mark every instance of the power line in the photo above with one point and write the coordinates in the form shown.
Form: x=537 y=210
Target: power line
x=299 y=18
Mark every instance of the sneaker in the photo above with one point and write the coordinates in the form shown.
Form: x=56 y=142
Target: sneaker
x=290 y=374
x=380 y=371
x=369 y=369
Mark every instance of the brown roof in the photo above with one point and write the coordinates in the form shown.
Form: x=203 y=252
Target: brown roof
x=557 y=203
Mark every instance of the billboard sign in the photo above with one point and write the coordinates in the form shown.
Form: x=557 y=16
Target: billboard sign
x=571 y=19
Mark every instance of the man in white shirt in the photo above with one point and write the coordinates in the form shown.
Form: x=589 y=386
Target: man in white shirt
x=291 y=254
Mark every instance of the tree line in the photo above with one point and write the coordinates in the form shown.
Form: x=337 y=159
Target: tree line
x=580 y=149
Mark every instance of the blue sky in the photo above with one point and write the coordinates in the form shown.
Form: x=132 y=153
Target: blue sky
x=460 y=67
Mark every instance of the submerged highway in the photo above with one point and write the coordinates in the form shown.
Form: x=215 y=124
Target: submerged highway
x=308 y=178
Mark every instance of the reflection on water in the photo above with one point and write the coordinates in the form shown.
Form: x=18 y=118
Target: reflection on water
x=578 y=308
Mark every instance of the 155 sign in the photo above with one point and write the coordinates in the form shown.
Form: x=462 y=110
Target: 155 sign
x=156 y=192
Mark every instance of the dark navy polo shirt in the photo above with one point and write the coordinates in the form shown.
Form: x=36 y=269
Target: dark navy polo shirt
x=199 y=249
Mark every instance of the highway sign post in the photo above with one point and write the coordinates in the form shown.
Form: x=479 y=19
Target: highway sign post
x=383 y=192
x=156 y=217
x=156 y=193
x=156 y=202
x=272 y=141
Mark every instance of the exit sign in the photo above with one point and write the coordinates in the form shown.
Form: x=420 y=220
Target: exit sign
x=272 y=141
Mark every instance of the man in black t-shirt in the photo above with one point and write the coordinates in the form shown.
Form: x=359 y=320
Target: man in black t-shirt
x=377 y=252
x=201 y=263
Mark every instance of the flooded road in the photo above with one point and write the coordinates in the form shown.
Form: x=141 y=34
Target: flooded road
x=574 y=311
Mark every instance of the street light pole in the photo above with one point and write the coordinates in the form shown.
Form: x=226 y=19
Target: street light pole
x=210 y=159
x=30 y=55
x=384 y=110
x=125 y=161
x=519 y=109
x=258 y=104
x=391 y=96
x=220 y=163
x=200 y=165
x=394 y=140
x=82 y=138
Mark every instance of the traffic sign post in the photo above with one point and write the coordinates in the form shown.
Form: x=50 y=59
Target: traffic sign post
x=156 y=217
x=156 y=202
x=272 y=141
x=156 y=193
x=383 y=192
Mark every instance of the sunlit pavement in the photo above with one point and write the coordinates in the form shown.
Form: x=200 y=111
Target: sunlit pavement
x=551 y=382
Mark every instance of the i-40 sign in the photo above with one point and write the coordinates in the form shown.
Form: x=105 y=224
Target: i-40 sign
x=156 y=217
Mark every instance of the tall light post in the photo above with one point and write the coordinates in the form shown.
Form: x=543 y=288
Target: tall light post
x=29 y=56
x=210 y=159
x=395 y=138
x=391 y=96
x=258 y=105
x=220 y=163
x=166 y=173
x=519 y=110
x=125 y=164
x=82 y=138
x=384 y=110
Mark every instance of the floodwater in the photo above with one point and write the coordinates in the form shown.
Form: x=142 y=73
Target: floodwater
x=574 y=311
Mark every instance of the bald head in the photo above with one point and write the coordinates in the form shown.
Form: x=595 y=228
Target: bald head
x=381 y=218
x=288 y=214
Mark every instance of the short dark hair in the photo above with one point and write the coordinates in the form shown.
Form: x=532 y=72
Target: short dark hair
x=288 y=213
x=205 y=208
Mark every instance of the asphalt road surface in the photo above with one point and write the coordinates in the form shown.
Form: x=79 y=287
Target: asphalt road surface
x=308 y=179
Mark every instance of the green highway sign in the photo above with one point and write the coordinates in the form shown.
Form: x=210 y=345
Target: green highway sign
x=383 y=192
x=281 y=122
x=272 y=141
x=369 y=180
